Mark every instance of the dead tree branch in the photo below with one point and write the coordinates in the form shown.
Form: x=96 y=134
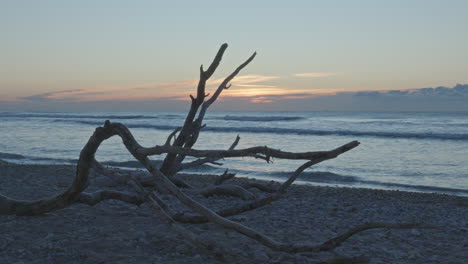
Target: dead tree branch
x=224 y=177
x=261 y=187
x=163 y=178
x=191 y=128
x=202 y=161
x=185 y=132
x=133 y=146
x=74 y=193
x=263 y=152
x=227 y=189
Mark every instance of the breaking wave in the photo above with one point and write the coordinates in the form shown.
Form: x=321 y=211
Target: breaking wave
x=298 y=131
x=319 y=177
x=332 y=178
x=11 y=156
x=262 y=118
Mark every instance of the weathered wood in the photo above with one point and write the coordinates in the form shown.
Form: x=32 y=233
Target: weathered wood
x=202 y=161
x=261 y=187
x=74 y=193
x=263 y=152
x=185 y=132
x=162 y=178
x=244 y=230
x=224 y=177
x=228 y=190
x=197 y=124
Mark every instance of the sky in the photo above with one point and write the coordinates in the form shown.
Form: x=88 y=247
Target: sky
x=311 y=55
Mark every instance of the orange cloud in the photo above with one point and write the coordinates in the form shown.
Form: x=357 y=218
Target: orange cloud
x=314 y=74
x=176 y=90
x=252 y=87
x=259 y=100
x=261 y=91
x=249 y=79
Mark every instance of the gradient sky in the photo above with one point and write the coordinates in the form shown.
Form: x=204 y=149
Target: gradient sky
x=130 y=55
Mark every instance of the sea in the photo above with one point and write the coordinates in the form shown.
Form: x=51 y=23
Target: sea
x=422 y=152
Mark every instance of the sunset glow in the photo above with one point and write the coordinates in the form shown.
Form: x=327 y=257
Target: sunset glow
x=103 y=53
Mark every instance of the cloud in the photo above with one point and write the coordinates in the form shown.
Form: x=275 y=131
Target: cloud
x=112 y=93
x=314 y=74
x=415 y=100
x=150 y=91
x=257 y=85
x=251 y=96
x=249 y=79
x=459 y=90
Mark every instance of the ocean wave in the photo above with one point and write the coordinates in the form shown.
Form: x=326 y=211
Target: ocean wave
x=354 y=133
x=414 y=123
x=35 y=159
x=4 y=155
x=319 y=176
x=262 y=118
x=424 y=188
x=129 y=163
x=298 y=131
x=332 y=178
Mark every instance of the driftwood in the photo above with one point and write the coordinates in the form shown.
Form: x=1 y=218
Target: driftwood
x=178 y=146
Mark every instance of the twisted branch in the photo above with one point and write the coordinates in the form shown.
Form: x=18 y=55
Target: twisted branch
x=133 y=147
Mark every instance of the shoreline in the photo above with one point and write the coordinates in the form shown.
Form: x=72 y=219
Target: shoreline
x=115 y=232
x=318 y=179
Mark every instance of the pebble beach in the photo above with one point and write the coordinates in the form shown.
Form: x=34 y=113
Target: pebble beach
x=116 y=232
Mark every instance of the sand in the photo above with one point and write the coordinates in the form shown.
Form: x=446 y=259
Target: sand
x=115 y=232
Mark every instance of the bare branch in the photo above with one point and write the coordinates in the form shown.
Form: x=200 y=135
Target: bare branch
x=133 y=146
x=202 y=161
x=157 y=204
x=224 y=177
x=221 y=87
x=194 y=163
x=87 y=158
x=196 y=219
x=261 y=187
x=268 y=152
x=227 y=189
x=235 y=143
x=189 y=142
x=216 y=61
x=205 y=75
x=169 y=138
x=176 y=153
x=72 y=194
x=337 y=241
x=249 y=232
x=186 y=130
